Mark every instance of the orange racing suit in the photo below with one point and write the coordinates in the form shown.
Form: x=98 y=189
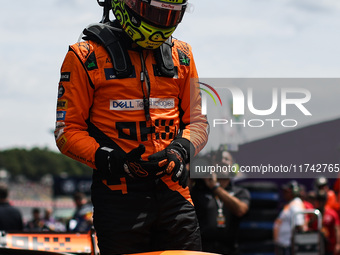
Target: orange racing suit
x=90 y=92
x=115 y=105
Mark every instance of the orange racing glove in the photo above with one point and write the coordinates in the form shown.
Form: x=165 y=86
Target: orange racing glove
x=177 y=154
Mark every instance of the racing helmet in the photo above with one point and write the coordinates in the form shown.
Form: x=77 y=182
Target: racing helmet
x=149 y=23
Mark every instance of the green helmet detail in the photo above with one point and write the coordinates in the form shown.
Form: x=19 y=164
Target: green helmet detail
x=149 y=23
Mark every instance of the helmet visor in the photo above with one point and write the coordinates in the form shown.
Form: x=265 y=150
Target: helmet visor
x=157 y=12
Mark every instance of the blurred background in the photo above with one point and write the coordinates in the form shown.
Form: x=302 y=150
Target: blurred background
x=230 y=39
x=280 y=39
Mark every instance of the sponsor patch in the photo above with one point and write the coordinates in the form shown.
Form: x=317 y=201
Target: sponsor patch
x=61 y=142
x=184 y=60
x=62 y=104
x=61 y=90
x=169 y=6
x=60 y=124
x=65 y=76
x=110 y=73
x=58 y=132
x=91 y=62
x=137 y=104
x=61 y=115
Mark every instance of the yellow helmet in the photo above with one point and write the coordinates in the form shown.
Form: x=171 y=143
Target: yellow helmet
x=149 y=22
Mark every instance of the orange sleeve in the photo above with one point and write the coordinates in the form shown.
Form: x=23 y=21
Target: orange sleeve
x=75 y=97
x=195 y=125
x=332 y=201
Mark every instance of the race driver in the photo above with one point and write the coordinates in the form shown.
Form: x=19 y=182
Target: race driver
x=128 y=107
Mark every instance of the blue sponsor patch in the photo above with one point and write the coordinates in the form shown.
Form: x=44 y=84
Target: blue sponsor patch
x=61 y=90
x=61 y=115
x=110 y=73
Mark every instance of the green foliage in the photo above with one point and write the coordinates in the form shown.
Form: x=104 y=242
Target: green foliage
x=38 y=162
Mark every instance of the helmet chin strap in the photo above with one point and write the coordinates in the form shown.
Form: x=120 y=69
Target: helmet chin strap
x=106 y=10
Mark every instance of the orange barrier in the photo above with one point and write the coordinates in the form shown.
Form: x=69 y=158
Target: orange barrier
x=84 y=243
x=53 y=242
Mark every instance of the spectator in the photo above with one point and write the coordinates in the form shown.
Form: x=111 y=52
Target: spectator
x=336 y=188
x=330 y=224
x=220 y=206
x=304 y=197
x=82 y=217
x=36 y=224
x=50 y=223
x=10 y=217
x=282 y=225
x=321 y=183
x=307 y=204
